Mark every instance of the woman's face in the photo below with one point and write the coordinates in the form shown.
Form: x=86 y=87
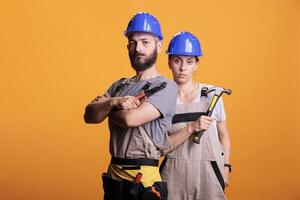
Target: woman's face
x=182 y=67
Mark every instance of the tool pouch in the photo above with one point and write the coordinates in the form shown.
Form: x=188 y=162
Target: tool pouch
x=121 y=189
x=127 y=190
x=112 y=188
x=158 y=191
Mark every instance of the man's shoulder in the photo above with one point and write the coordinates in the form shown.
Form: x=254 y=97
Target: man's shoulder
x=116 y=85
x=121 y=80
x=170 y=83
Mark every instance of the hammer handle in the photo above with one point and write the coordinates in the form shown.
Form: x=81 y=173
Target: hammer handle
x=197 y=136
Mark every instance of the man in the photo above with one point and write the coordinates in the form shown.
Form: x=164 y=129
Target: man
x=139 y=109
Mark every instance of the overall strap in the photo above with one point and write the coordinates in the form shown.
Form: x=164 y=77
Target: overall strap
x=120 y=87
x=192 y=116
x=203 y=95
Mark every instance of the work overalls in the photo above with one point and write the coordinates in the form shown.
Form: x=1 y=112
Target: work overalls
x=194 y=171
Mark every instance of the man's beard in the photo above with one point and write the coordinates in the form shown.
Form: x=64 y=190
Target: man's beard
x=147 y=62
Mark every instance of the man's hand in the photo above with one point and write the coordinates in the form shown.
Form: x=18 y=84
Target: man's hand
x=125 y=103
x=121 y=103
x=98 y=99
x=202 y=123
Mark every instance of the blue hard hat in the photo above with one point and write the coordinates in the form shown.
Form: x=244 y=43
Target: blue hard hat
x=184 y=44
x=144 y=22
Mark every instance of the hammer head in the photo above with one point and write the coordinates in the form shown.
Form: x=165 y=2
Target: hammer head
x=218 y=91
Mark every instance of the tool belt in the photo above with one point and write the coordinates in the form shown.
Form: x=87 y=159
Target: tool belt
x=128 y=190
x=135 y=162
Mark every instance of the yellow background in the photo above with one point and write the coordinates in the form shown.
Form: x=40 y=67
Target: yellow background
x=56 y=55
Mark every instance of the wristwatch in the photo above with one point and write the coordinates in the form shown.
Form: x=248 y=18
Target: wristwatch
x=228 y=165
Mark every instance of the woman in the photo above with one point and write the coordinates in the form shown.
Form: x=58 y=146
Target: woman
x=194 y=171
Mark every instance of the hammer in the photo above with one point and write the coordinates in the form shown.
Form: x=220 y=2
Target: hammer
x=218 y=91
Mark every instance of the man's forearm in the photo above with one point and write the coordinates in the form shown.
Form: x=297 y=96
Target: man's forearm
x=135 y=117
x=119 y=117
x=97 y=111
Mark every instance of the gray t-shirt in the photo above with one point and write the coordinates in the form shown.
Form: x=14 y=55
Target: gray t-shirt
x=128 y=142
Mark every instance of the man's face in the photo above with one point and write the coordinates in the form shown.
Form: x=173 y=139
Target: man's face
x=143 y=49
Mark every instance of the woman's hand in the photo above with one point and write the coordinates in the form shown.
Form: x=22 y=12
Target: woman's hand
x=202 y=123
x=226 y=174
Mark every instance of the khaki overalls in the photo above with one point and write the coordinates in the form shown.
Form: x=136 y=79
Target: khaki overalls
x=194 y=171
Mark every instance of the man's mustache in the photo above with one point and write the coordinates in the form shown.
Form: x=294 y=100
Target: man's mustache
x=138 y=54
